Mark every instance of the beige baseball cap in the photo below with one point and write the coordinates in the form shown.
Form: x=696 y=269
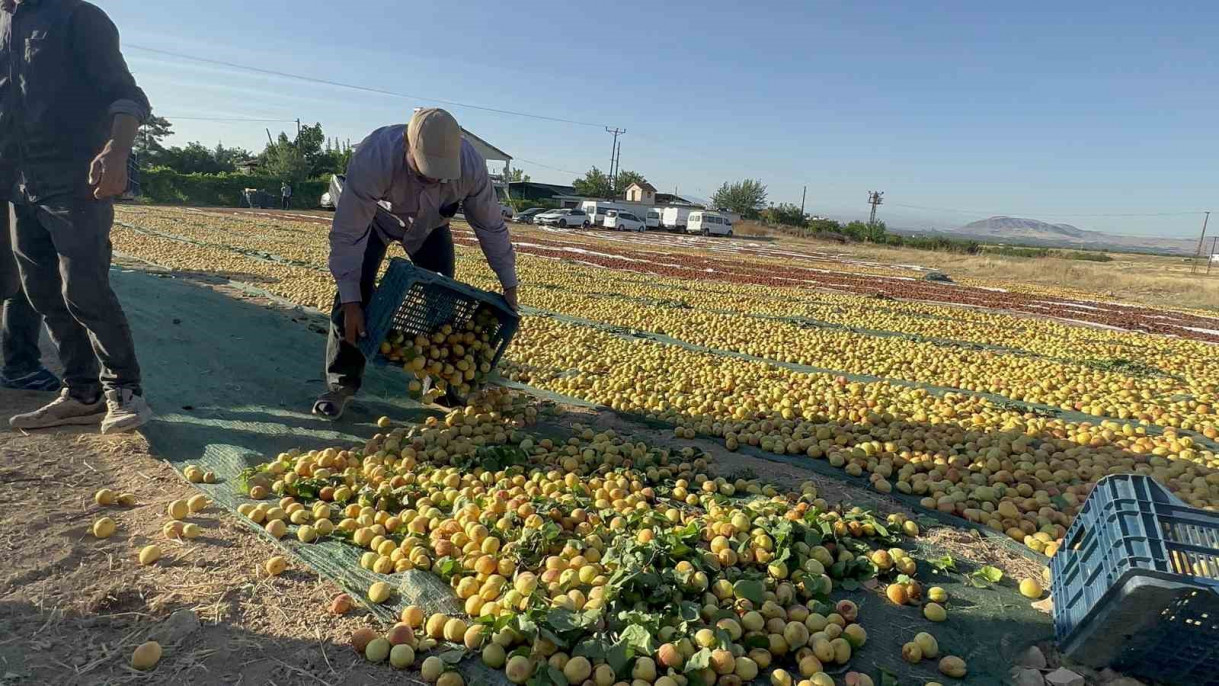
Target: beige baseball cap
x=435 y=142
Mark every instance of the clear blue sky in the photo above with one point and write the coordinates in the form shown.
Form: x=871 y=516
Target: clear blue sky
x=1037 y=109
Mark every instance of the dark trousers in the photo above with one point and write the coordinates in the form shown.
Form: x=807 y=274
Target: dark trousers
x=63 y=249
x=20 y=324
x=345 y=362
x=286 y=200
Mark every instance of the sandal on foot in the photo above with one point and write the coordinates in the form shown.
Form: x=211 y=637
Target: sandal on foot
x=332 y=404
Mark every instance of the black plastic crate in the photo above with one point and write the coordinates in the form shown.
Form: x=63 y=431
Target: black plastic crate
x=1136 y=584
x=417 y=301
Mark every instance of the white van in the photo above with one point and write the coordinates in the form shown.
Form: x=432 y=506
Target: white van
x=652 y=219
x=674 y=218
x=709 y=224
x=624 y=221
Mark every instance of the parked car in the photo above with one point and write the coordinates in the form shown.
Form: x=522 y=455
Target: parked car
x=623 y=221
x=505 y=210
x=653 y=219
x=709 y=224
x=527 y=216
x=563 y=218
x=674 y=218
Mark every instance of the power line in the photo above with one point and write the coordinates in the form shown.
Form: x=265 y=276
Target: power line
x=238 y=119
x=365 y=89
x=547 y=166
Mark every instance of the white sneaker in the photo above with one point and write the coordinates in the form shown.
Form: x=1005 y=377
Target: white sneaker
x=125 y=411
x=61 y=411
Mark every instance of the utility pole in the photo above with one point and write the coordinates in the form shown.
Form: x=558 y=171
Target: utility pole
x=1194 y=264
x=875 y=198
x=1211 y=257
x=617 y=168
x=269 y=140
x=803 y=194
x=613 y=151
x=298 y=128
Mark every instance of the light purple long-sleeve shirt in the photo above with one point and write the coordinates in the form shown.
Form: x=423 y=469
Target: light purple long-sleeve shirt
x=379 y=176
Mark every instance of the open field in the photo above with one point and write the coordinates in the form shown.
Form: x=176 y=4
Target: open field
x=1157 y=280
x=681 y=406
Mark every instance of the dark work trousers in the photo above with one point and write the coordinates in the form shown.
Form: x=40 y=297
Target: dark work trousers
x=286 y=200
x=63 y=249
x=344 y=361
x=21 y=324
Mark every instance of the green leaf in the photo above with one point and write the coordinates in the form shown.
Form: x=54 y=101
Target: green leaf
x=557 y=677
x=638 y=638
x=452 y=657
x=985 y=576
x=590 y=648
x=617 y=656
x=885 y=678
x=688 y=610
x=446 y=567
x=849 y=585
x=752 y=590
x=564 y=620
x=700 y=660
x=756 y=641
x=944 y=564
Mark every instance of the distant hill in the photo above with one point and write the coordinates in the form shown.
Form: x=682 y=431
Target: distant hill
x=1018 y=230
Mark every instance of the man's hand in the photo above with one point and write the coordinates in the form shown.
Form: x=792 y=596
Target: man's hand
x=510 y=296
x=108 y=172
x=353 y=322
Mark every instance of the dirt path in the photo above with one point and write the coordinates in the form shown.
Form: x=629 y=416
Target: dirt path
x=72 y=607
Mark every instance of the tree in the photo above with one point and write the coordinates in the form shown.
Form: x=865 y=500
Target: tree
x=626 y=178
x=824 y=226
x=745 y=198
x=196 y=158
x=229 y=158
x=594 y=184
x=863 y=231
x=152 y=134
x=284 y=160
x=786 y=214
x=517 y=175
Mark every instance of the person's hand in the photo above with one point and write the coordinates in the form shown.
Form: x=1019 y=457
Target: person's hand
x=353 y=322
x=108 y=173
x=510 y=296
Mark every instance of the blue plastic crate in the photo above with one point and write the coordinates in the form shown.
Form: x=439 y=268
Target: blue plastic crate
x=1136 y=584
x=417 y=301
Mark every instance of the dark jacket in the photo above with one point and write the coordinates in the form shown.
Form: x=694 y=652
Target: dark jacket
x=62 y=80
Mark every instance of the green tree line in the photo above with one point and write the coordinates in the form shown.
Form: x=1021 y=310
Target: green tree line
x=308 y=155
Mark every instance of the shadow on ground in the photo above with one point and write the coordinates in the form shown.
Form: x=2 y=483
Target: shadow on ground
x=48 y=647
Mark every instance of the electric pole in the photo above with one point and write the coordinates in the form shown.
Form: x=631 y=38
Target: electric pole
x=613 y=152
x=298 y=128
x=803 y=194
x=1194 y=264
x=875 y=198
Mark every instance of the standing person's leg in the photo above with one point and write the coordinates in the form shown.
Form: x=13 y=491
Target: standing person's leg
x=436 y=253
x=344 y=361
x=79 y=230
x=21 y=324
x=80 y=402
